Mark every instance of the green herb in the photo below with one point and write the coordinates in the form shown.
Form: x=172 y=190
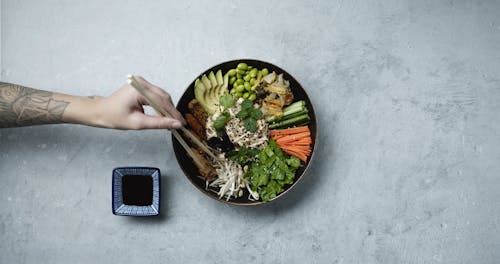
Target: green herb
x=250 y=124
x=271 y=171
x=249 y=115
x=226 y=101
x=243 y=155
x=221 y=122
x=246 y=104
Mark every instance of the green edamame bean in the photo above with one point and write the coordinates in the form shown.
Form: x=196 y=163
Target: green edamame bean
x=247 y=86
x=253 y=73
x=247 y=78
x=232 y=80
x=231 y=72
x=243 y=73
x=242 y=66
x=240 y=88
x=239 y=81
x=238 y=75
x=246 y=95
x=233 y=91
x=252 y=81
x=249 y=67
x=252 y=97
x=265 y=71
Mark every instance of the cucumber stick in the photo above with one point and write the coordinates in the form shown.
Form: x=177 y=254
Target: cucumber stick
x=291 y=121
x=294 y=108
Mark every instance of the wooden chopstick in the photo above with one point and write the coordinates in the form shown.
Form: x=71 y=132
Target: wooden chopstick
x=133 y=81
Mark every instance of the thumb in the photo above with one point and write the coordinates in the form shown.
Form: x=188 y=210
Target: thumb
x=159 y=122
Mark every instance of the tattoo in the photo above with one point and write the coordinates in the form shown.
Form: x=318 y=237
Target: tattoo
x=23 y=106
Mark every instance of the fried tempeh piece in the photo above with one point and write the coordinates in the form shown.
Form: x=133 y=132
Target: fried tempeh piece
x=195 y=126
x=198 y=112
x=208 y=172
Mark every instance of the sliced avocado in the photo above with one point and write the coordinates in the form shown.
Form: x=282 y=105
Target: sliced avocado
x=220 y=79
x=215 y=87
x=206 y=82
x=209 y=89
x=212 y=104
x=199 y=93
x=208 y=97
x=213 y=80
x=220 y=82
x=225 y=84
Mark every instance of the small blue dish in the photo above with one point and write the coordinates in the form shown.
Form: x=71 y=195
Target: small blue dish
x=118 y=205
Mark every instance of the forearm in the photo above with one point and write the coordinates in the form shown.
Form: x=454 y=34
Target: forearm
x=23 y=106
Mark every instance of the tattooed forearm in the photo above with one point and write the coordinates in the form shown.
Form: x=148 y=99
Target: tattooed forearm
x=23 y=106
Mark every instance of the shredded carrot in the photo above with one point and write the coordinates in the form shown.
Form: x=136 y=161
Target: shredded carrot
x=288 y=131
x=294 y=137
x=304 y=140
x=295 y=141
x=295 y=148
x=276 y=137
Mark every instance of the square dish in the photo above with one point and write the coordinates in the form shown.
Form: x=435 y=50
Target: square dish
x=133 y=184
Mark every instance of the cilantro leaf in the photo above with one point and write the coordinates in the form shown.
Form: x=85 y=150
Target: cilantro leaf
x=250 y=124
x=243 y=155
x=256 y=114
x=221 y=121
x=226 y=101
x=293 y=162
x=249 y=115
x=242 y=114
x=246 y=104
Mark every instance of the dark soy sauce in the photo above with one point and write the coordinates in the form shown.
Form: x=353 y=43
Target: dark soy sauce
x=137 y=190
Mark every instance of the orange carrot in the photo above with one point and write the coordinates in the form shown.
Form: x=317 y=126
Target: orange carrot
x=294 y=141
x=276 y=137
x=294 y=137
x=294 y=148
x=304 y=140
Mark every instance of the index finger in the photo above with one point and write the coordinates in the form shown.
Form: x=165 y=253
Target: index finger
x=166 y=99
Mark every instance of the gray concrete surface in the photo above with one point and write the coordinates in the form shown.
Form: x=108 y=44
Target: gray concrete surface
x=407 y=95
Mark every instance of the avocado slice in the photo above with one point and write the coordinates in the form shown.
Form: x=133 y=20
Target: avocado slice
x=213 y=80
x=225 y=83
x=220 y=82
x=215 y=87
x=199 y=93
x=207 y=93
x=206 y=82
x=220 y=79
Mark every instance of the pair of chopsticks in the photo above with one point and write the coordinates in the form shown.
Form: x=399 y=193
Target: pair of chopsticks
x=132 y=80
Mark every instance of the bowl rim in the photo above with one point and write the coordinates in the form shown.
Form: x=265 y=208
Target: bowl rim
x=308 y=165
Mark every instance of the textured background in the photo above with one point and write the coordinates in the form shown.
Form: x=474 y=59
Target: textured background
x=407 y=95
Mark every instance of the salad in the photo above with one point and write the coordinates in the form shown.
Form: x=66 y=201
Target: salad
x=257 y=131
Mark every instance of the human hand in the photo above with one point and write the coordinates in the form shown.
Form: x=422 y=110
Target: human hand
x=124 y=109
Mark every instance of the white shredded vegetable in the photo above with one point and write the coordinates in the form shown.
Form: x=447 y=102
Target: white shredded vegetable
x=230 y=181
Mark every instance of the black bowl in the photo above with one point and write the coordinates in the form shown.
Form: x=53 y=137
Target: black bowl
x=187 y=164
